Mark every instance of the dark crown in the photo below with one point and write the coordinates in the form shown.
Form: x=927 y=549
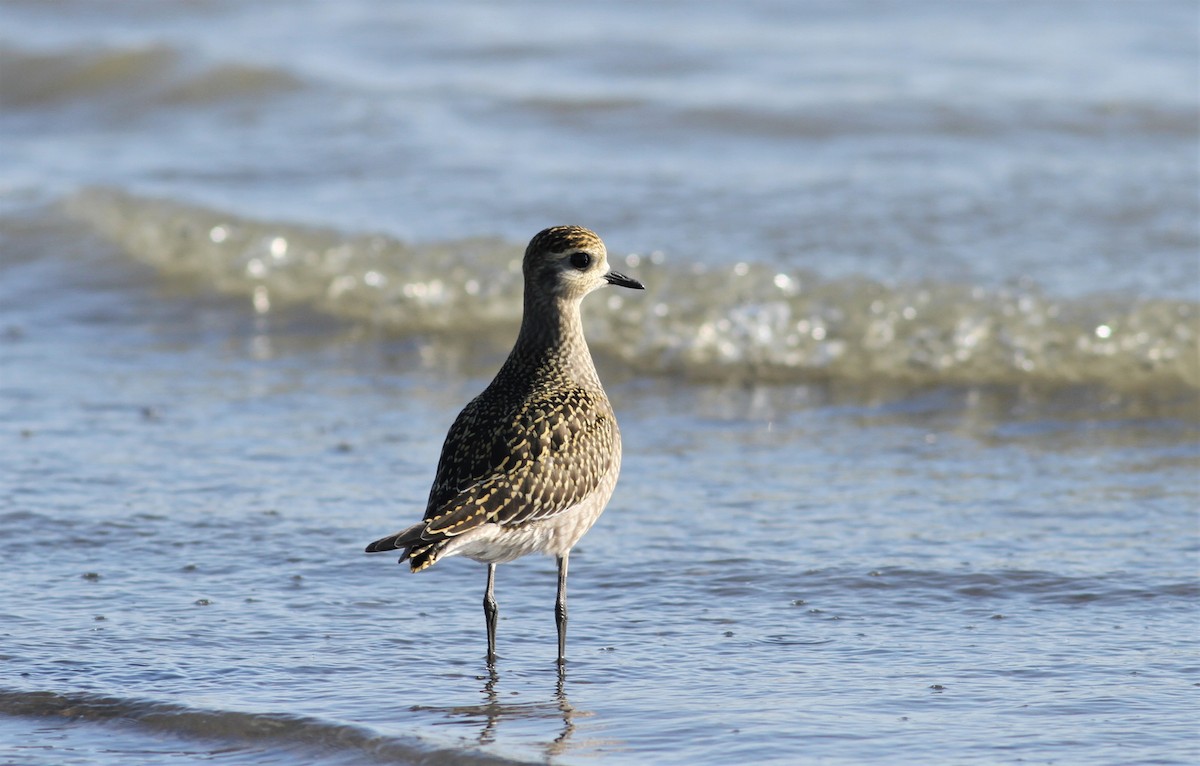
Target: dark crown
x=559 y=239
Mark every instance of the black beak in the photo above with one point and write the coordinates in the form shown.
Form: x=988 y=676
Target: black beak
x=620 y=280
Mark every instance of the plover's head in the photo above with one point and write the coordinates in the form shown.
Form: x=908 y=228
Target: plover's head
x=568 y=262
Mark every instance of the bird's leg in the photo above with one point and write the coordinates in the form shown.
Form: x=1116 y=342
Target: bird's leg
x=490 y=613
x=560 y=608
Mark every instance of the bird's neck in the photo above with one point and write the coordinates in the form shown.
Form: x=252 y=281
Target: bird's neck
x=551 y=337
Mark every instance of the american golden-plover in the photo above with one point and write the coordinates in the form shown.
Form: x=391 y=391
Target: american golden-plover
x=530 y=463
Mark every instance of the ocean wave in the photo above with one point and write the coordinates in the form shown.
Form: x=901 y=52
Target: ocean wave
x=1001 y=585
x=303 y=737
x=909 y=117
x=742 y=322
x=146 y=77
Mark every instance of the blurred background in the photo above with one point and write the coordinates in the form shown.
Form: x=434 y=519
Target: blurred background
x=921 y=326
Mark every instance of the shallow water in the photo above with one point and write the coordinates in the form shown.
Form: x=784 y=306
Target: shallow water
x=909 y=409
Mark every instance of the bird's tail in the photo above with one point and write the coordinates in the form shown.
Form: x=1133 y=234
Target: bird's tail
x=416 y=547
x=405 y=539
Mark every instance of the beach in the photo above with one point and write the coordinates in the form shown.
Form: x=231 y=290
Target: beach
x=910 y=404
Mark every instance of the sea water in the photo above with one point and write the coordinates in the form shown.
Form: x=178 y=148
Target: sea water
x=911 y=405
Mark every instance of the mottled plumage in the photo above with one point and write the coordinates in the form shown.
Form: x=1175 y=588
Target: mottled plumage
x=530 y=463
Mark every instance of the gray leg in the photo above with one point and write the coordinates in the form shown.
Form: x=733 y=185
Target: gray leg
x=560 y=608
x=490 y=613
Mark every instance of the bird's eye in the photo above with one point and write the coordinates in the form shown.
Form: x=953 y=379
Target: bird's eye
x=581 y=260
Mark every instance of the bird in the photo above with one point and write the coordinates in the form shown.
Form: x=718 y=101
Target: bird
x=529 y=465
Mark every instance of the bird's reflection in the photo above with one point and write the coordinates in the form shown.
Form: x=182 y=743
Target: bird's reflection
x=491 y=714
